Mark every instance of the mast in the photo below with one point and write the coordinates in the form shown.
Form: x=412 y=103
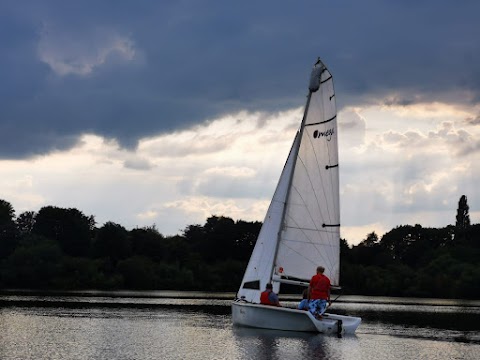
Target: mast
x=313 y=86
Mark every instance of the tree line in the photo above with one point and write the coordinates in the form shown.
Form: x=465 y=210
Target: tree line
x=58 y=248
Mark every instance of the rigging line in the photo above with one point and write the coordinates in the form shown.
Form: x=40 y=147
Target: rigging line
x=315 y=245
x=299 y=158
x=311 y=218
x=318 y=206
x=326 y=261
x=303 y=230
x=314 y=192
x=305 y=242
x=323 y=230
x=309 y=259
x=313 y=262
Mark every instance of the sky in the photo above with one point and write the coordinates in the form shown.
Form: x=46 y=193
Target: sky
x=166 y=113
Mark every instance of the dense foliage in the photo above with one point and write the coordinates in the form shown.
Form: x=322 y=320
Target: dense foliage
x=58 y=248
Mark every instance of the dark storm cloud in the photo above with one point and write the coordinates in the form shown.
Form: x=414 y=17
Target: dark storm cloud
x=128 y=69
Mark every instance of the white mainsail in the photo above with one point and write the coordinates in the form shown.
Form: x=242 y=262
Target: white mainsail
x=302 y=227
x=311 y=230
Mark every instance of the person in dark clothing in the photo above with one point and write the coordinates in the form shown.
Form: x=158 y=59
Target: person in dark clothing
x=268 y=297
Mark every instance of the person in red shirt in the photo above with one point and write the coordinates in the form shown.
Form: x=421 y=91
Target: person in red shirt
x=319 y=293
x=268 y=297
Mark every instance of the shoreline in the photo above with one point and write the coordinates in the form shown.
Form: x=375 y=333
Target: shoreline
x=205 y=295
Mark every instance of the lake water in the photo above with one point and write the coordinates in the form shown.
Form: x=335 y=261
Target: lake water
x=192 y=325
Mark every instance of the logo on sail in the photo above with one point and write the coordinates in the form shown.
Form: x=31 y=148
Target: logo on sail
x=327 y=134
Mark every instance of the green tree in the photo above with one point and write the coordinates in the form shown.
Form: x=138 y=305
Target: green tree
x=138 y=273
x=148 y=242
x=371 y=240
x=25 y=222
x=463 y=218
x=177 y=250
x=371 y=252
x=462 y=223
x=7 y=213
x=112 y=241
x=246 y=234
x=473 y=235
x=35 y=265
x=399 y=241
x=84 y=273
x=8 y=231
x=222 y=238
x=219 y=238
x=69 y=227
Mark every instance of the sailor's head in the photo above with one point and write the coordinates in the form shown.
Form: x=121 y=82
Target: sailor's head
x=320 y=269
x=269 y=286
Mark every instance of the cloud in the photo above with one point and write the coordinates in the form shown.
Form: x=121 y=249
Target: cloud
x=388 y=177
x=445 y=139
x=137 y=163
x=473 y=120
x=411 y=166
x=170 y=112
x=143 y=71
x=81 y=53
x=142 y=186
x=352 y=126
x=204 y=207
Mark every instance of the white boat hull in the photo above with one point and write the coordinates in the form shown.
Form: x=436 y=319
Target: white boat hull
x=281 y=318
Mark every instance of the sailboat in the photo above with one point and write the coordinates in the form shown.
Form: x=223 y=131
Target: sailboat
x=301 y=229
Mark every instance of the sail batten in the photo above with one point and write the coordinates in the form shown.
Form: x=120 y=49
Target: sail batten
x=312 y=229
x=322 y=122
x=321 y=82
x=302 y=226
